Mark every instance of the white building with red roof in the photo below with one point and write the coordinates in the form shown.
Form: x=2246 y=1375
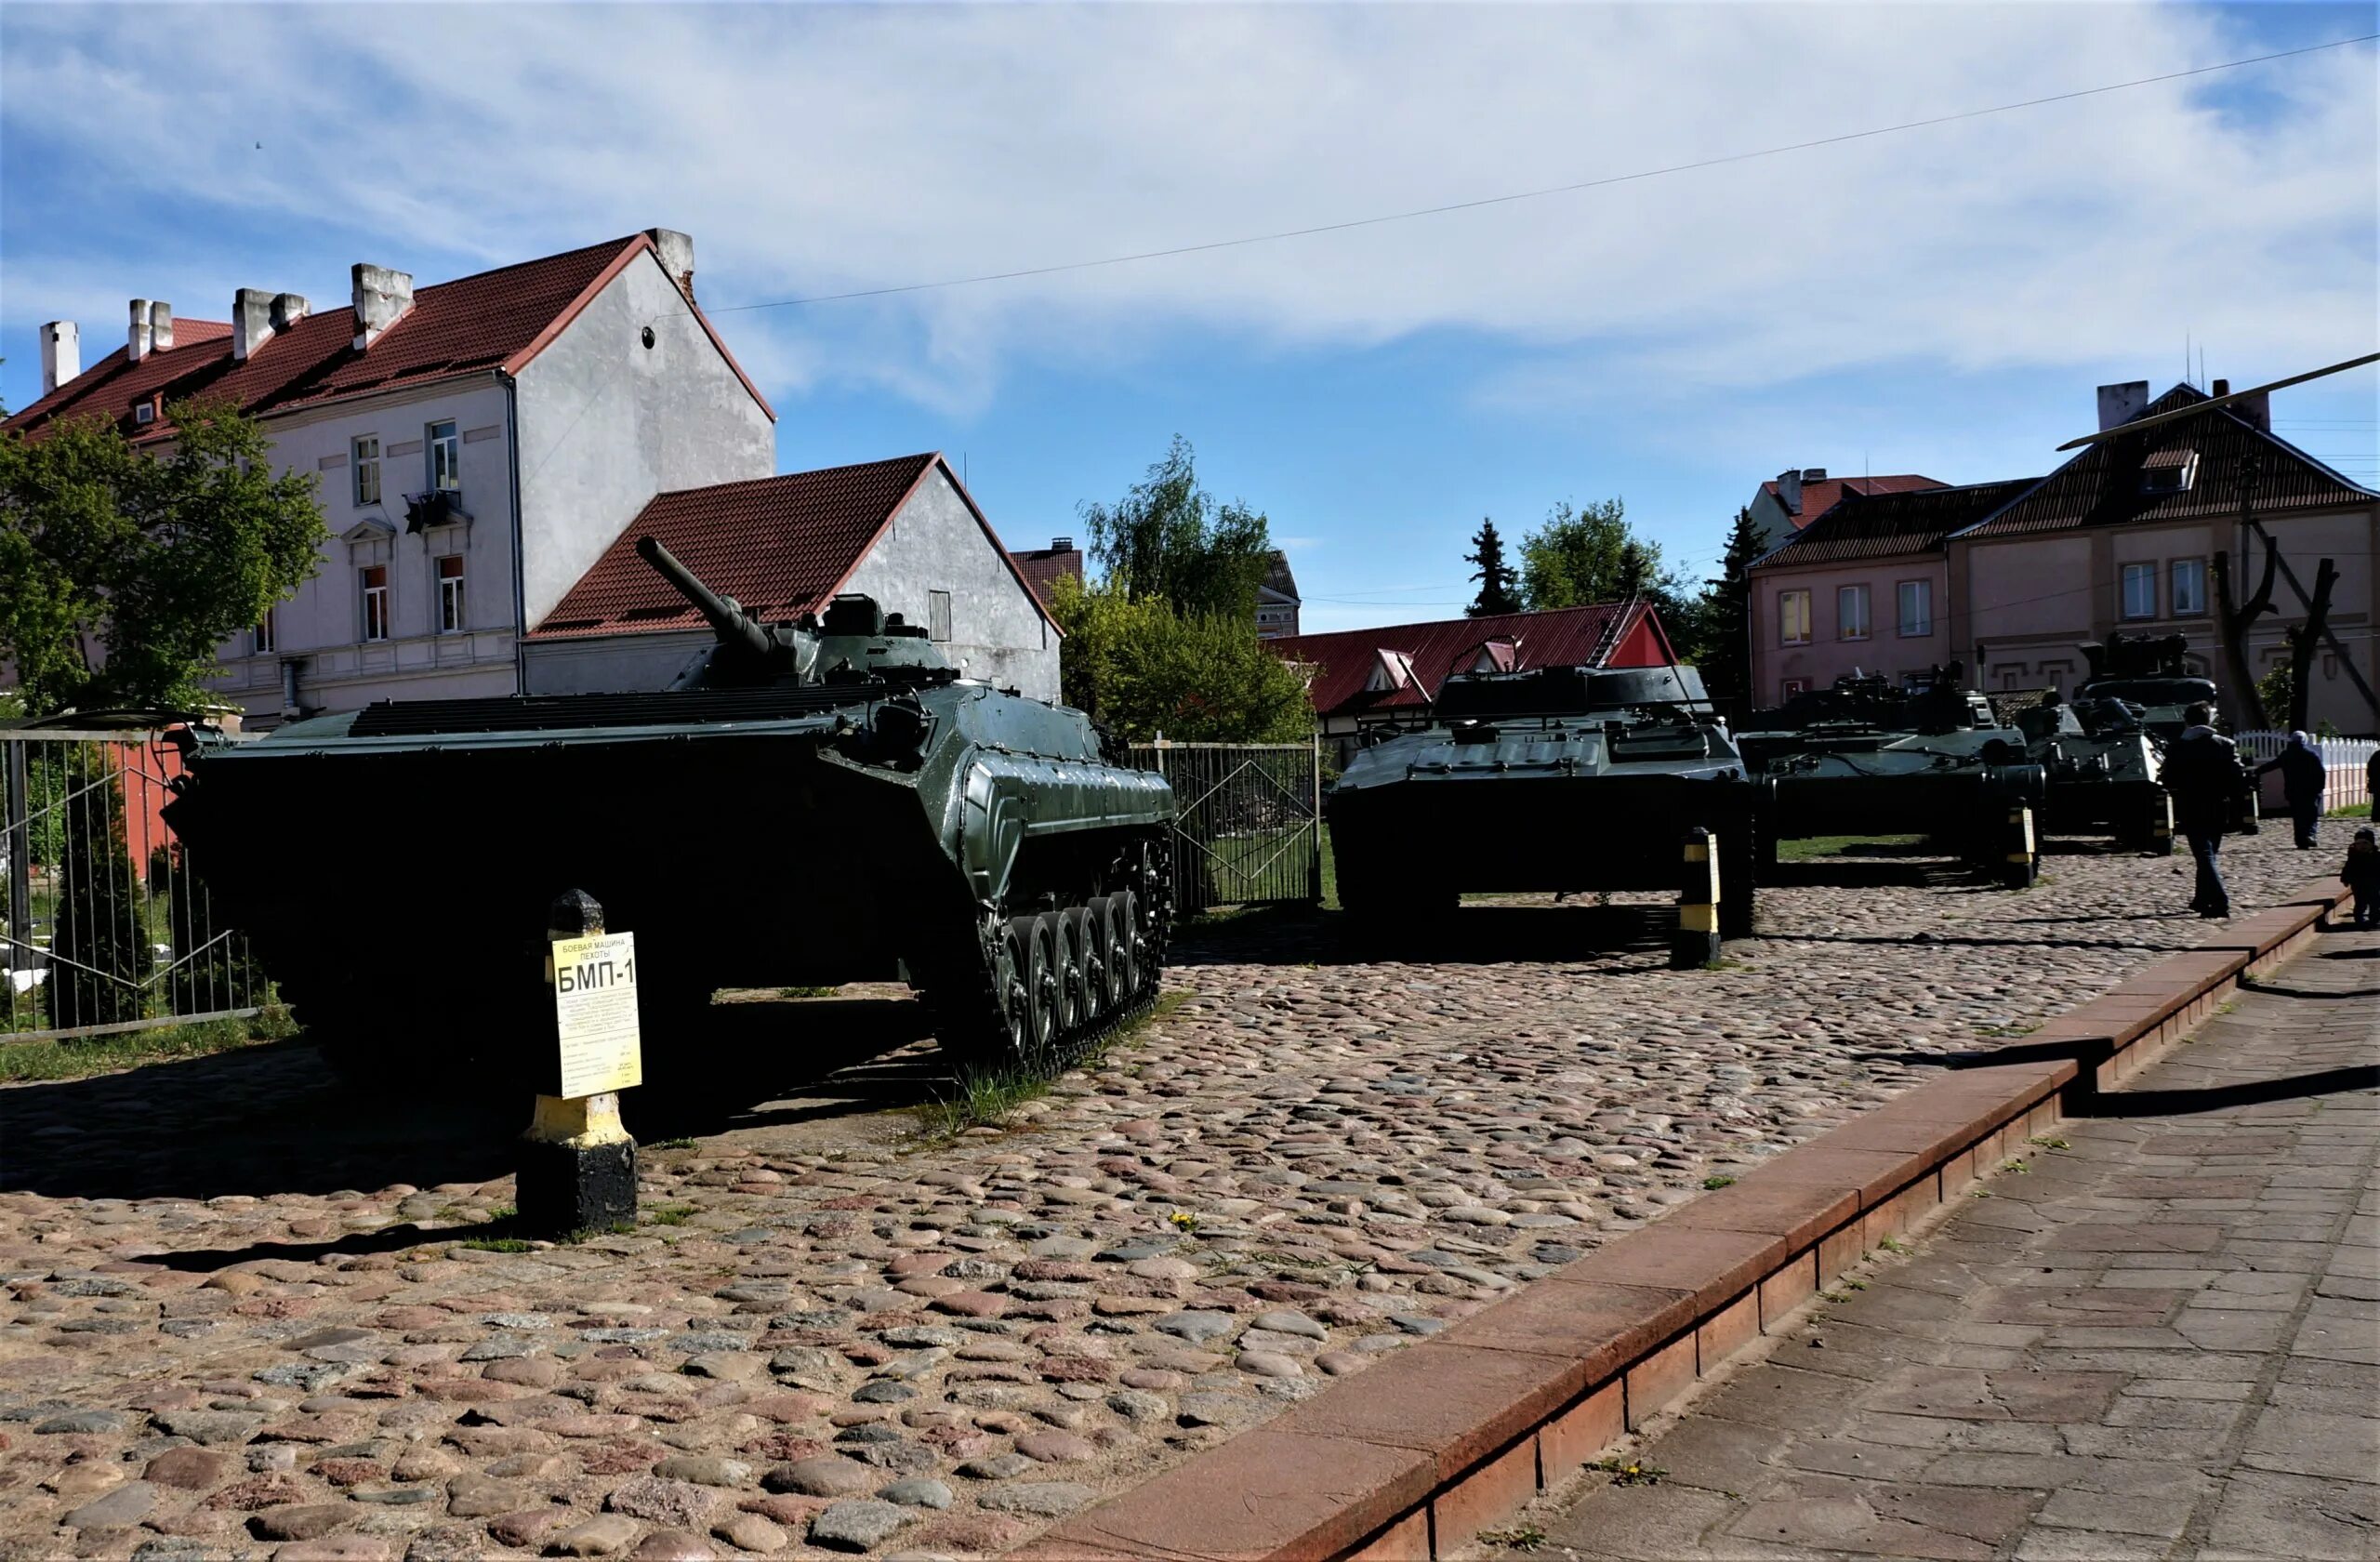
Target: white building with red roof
x=479 y=443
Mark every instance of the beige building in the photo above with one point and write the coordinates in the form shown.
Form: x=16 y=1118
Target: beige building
x=2124 y=535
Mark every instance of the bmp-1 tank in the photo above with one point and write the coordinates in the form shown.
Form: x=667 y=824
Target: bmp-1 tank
x=2102 y=765
x=2150 y=674
x=1864 y=758
x=813 y=802
x=1558 y=778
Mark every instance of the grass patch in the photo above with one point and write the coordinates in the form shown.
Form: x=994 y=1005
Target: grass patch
x=1845 y=846
x=988 y=1097
x=1520 y=1537
x=2045 y=1142
x=1724 y=963
x=501 y=1213
x=806 y=992
x=668 y=1214
x=1712 y=1184
x=685 y=1142
x=494 y=1244
x=2352 y=811
x=23 y=1062
x=1895 y=1246
x=2008 y=1029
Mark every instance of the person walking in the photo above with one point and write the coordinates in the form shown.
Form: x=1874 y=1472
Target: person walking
x=2203 y=775
x=2361 y=874
x=2303 y=777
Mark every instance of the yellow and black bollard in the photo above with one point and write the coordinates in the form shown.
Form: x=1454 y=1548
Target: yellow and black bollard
x=1696 y=943
x=2021 y=863
x=2160 y=825
x=577 y=1162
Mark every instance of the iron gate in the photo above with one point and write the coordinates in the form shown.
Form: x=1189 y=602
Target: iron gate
x=1248 y=822
x=103 y=927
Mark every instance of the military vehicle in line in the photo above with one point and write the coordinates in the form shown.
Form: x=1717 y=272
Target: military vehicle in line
x=1556 y=778
x=1865 y=758
x=2103 y=765
x=2150 y=676
x=810 y=802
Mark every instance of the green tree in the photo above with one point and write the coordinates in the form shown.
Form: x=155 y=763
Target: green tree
x=1499 y=592
x=1168 y=538
x=155 y=561
x=1722 y=618
x=1589 y=554
x=1142 y=667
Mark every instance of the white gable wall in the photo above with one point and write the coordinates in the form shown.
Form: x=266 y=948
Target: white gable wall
x=606 y=422
x=934 y=544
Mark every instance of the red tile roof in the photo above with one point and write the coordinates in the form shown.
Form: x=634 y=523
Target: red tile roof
x=473 y=324
x=1891 y=525
x=781 y=546
x=1044 y=567
x=1821 y=496
x=1563 y=637
x=2102 y=484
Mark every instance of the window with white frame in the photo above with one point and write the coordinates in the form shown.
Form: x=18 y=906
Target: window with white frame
x=1916 y=607
x=262 y=638
x=450 y=593
x=364 y=455
x=1851 y=612
x=1793 y=617
x=2139 y=590
x=443 y=448
x=376 y=601
x=938 y=615
x=2188 y=586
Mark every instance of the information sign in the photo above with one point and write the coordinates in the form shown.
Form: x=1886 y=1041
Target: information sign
x=595 y=1011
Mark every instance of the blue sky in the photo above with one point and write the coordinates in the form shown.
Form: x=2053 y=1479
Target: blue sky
x=1942 y=301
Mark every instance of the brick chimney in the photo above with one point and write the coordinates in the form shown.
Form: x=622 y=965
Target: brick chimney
x=381 y=298
x=676 y=252
x=136 y=336
x=161 y=326
x=61 y=354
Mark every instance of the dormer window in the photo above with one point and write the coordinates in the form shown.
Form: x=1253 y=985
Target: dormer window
x=2169 y=471
x=1392 y=671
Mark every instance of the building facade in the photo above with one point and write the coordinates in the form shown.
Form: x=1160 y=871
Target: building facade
x=1798 y=496
x=1862 y=589
x=478 y=443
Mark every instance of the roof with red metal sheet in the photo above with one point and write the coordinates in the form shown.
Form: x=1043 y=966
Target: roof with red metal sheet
x=781 y=546
x=1343 y=660
x=1890 y=526
x=2103 y=485
x=472 y=325
x=1821 y=495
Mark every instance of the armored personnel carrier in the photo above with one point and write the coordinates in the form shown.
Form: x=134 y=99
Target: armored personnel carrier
x=1560 y=778
x=1864 y=758
x=2102 y=764
x=2150 y=676
x=813 y=802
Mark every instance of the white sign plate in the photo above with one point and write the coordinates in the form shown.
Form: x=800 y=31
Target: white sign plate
x=595 y=1011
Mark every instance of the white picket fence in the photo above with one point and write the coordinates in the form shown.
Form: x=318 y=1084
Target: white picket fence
x=2345 y=758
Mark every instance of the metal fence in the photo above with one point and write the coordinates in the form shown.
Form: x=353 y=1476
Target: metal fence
x=1248 y=827
x=103 y=927
x=2345 y=758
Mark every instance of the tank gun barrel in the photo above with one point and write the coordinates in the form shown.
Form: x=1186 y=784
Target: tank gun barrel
x=732 y=624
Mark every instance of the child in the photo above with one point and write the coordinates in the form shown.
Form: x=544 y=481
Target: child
x=2362 y=875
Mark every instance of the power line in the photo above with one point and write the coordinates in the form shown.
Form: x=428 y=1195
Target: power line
x=1512 y=197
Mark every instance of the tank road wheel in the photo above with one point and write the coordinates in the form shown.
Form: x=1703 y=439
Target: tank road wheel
x=1123 y=947
x=1036 y=984
x=1089 y=924
x=1066 y=1017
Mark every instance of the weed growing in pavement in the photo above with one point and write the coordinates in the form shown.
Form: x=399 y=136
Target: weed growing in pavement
x=805 y=992
x=2045 y=1142
x=1895 y=1246
x=501 y=1213
x=685 y=1142
x=1712 y=1184
x=668 y=1214
x=494 y=1244
x=1520 y=1537
x=1629 y=1472
x=1722 y=963
x=987 y=1098
x=2003 y=1030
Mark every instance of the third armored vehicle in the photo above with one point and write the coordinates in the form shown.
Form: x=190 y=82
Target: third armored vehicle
x=817 y=801
x=1865 y=758
x=1558 y=778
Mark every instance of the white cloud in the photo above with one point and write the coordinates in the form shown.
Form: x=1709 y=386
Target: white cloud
x=820 y=149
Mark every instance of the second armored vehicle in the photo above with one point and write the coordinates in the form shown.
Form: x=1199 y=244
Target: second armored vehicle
x=812 y=803
x=1559 y=778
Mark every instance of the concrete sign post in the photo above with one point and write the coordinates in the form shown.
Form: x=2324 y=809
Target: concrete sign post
x=577 y=1162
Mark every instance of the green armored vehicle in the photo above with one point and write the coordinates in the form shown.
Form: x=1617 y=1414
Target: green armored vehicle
x=1866 y=759
x=813 y=802
x=2102 y=764
x=1560 y=778
x=2150 y=676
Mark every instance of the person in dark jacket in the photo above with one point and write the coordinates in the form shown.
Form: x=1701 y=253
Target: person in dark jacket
x=2361 y=874
x=2303 y=777
x=2203 y=776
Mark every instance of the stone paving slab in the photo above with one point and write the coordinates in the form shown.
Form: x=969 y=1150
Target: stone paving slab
x=2015 y=1389
x=832 y=1334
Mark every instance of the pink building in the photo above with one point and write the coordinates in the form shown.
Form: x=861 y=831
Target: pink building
x=1863 y=588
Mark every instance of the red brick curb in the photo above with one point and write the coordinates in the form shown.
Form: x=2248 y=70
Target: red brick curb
x=1410 y=1459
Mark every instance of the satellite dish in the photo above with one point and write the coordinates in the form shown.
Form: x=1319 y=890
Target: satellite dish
x=2138 y=424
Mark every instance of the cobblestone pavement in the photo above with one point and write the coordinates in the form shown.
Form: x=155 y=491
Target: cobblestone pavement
x=240 y=1313
x=2162 y=1342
